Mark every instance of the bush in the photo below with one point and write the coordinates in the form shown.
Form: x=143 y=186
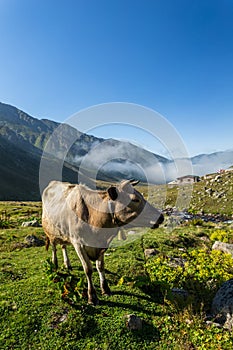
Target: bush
x=197 y=222
x=70 y=286
x=201 y=275
x=222 y=236
x=4 y=224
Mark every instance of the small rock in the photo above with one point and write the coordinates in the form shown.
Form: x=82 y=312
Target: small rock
x=211 y=323
x=150 y=252
x=134 y=323
x=224 y=247
x=33 y=223
x=131 y=232
x=175 y=262
x=209 y=191
x=33 y=241
x=178 y=292
x=218 y=177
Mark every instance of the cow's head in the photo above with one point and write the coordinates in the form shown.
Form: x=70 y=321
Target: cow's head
x=128 y=206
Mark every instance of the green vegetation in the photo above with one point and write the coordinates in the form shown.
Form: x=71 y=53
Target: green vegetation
x=221 y=235
x=212 y=195
x=12 y=214
x=201 y=273
x=46 y=309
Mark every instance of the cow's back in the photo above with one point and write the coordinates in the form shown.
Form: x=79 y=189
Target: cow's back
x=58 y=216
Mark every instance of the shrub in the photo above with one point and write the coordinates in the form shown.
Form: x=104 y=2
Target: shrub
x=222 y=235
x=70 y=286
x=4 y=224
x=202 y=273
x=197 y=222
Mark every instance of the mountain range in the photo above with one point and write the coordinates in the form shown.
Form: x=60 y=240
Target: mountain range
x=24 y=142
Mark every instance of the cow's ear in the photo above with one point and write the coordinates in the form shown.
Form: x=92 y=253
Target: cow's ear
x=112 y=191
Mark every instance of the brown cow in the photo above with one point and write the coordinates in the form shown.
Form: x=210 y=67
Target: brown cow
x=90 y=219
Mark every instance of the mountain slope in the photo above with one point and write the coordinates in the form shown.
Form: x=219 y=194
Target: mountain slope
x=85 y=158
x=23 y=139
x=210 y=163
x=35 y=132
x=19 y=172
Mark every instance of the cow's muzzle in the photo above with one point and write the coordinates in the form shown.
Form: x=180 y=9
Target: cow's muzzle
x=155 y=224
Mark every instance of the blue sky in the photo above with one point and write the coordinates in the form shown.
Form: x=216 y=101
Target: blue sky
x=174 y=56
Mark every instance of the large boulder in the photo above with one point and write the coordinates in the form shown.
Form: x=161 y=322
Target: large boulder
x=222 y=305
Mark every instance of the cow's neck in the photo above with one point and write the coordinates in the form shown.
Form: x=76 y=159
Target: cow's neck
x=99 y=214
x=116 y=222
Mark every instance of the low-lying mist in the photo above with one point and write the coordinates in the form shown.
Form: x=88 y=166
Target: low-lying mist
x=117 y=160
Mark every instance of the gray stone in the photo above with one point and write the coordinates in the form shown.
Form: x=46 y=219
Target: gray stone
x=131 y=232
x=134 y=323
x=222 y=305
x=150 y=252
x=176 y=262
x=180 y=293
x=211 y=323
x=32 y=223
x=218 y=177
x=223 y=247
x=33 y=241
x=209 y=191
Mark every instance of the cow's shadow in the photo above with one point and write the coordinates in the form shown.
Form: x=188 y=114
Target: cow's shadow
x=148 y=291
x=155 y=298
x=143 y=299
x=148 y=332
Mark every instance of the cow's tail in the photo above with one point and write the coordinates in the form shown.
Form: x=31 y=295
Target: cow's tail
x=47 y=243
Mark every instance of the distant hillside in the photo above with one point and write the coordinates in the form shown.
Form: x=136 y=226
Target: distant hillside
x=212 y=195
x=210 y=163
x=19 y=172
x=23 y=139
x=20 y=128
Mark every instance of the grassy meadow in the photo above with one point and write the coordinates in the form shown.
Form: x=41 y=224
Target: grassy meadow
x=46 y=309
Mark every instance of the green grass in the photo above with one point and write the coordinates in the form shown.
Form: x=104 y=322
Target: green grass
x=37 y=312
x=12 y=214
x=218 y=201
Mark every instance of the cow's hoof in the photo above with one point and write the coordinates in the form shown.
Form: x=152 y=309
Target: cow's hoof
x=106 y=293
x=105 y=289
x=93 y=301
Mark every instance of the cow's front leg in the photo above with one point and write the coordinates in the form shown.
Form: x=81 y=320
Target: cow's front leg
x=66 y=258
x=88 y=269
x=103 y=282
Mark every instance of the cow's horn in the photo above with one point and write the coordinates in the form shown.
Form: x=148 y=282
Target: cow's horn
x=134 y=182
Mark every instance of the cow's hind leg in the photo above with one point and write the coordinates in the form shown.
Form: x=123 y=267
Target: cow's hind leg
x=66 y=258
x=88 y=269
x=103 y=282
x=54 y=255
